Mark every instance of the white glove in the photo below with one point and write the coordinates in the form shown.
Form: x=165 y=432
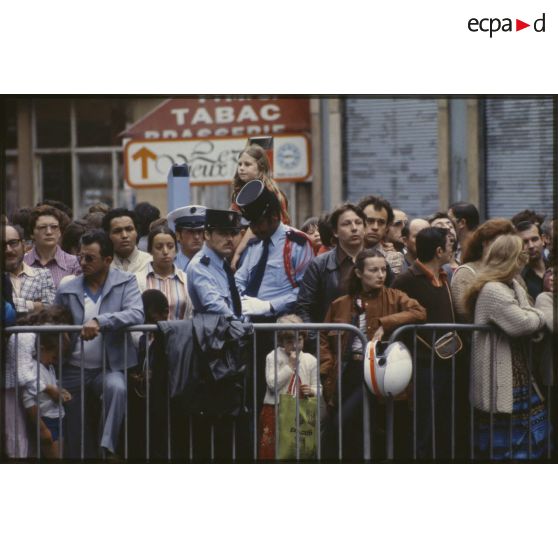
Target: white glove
x=252 y=306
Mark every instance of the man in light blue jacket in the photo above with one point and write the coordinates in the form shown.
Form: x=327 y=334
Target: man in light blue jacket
x=105 y=300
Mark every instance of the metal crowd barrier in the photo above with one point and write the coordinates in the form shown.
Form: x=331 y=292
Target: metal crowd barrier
x=256 y=378
x=466 y=331
x=371 y=408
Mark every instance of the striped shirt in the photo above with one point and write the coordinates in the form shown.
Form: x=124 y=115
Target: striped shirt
x=62 y=265
x=174 y=287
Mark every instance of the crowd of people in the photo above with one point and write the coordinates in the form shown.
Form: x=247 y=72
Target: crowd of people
x=366 y=264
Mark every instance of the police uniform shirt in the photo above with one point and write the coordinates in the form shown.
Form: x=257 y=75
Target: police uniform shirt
x=276 y=286
x=181 y=261
x=208 y=286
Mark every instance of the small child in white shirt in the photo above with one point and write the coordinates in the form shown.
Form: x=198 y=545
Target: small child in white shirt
x=307 y=382
x=49 y=409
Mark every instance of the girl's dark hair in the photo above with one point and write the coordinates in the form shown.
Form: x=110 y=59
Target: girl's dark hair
x=309 y=223
x=153 y=300
x=354 y=283
x=162 y=229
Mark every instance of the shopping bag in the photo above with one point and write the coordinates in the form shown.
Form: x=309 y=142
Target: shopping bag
x=307 y=427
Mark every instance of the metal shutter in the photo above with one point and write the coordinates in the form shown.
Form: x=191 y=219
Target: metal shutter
x=519 y=156
x=391 y=149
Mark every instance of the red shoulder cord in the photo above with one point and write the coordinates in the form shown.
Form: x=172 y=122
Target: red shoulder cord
x=287 y=260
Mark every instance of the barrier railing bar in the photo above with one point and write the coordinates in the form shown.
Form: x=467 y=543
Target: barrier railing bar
x=339 y=400
x=276 y=401
x=82 y=395
x=320 y=395
x=38 y=385
x=60 y=403
x=126 y=410
x=255 y=399
x=103 y=402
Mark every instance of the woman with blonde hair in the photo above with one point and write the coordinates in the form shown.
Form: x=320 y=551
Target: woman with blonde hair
x=501 y=382
x=465 y=274
x=253 y=164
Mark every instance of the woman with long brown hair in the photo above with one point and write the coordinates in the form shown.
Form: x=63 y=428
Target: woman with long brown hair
x=503 y=391
x=377 y=311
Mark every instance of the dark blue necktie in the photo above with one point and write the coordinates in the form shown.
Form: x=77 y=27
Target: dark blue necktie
x=235 y=297
x=257 y=273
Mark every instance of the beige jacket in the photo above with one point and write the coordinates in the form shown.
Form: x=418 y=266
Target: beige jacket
x=461 y=280
x=509 y=310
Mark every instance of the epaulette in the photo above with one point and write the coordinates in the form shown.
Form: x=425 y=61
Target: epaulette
x=300 y=238
x=205 y=260
x=253 y=241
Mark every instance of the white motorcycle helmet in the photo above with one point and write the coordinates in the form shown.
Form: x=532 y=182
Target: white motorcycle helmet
x=388 y=368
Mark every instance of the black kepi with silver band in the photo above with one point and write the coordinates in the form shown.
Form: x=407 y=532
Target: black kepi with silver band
x=256 y=201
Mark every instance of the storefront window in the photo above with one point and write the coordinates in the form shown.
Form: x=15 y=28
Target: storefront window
x=11 y=185
x=57 y=178
x=95 y=180
x=99 y=121
x=52 y=122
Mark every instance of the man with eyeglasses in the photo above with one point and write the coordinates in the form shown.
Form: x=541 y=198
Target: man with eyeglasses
x=105 y=301
x=33 y=288
x=47 y=224
x=379 y=218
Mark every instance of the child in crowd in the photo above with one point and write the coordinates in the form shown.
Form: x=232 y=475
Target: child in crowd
x=310 y=227
x=155 y=309
x=48 y=403
x=285 y=379
x=253 y=164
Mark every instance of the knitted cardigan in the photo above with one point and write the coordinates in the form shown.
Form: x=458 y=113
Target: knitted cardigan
x=507 y=308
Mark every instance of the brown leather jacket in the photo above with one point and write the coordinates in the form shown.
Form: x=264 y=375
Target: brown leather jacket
x=389 y=308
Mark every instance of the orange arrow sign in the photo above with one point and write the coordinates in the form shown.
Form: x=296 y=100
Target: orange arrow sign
x=144 y=154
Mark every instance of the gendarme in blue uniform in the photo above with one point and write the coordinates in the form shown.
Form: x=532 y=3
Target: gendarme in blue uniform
x=276 y=286
x=208 y=286
x=182 y=261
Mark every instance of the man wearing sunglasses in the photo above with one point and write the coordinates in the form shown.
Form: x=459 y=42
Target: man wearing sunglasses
x=394 y=231
x=105 y=300
x=32 y=288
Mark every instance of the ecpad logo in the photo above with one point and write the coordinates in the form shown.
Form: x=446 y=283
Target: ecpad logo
x=493 y=25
